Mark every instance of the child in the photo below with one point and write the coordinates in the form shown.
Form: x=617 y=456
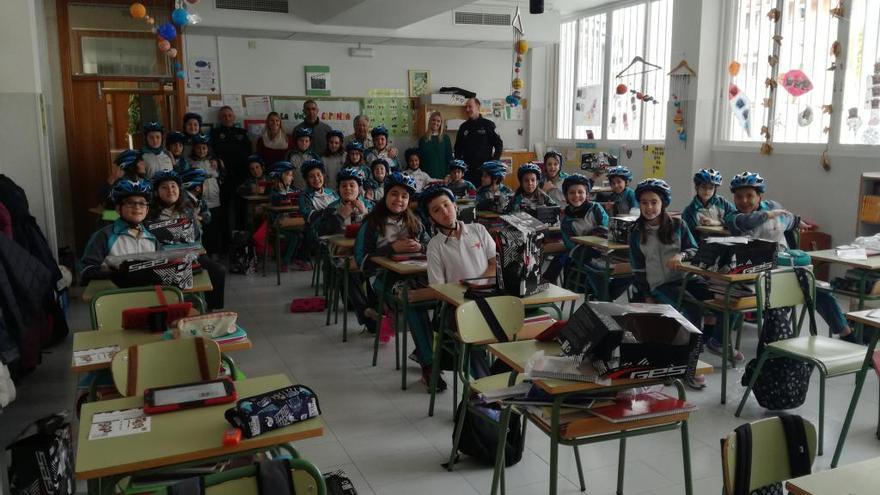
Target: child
x=334 y=156
x=380 y=147
x=170 y=204
x=621 y=200
x=126 y=235
x=192 y=127
x=413 y=168
x=374 y=186
x=456 y=182
x=256 y=183
x=659 y=243
x=493 y=195
x=392 y=228
x=707 y=207
x=301 y=152
x=764 y=219
x=529 y=195
x=554 y=176
x=193 y=182
x=201 y=159
x=156 y=157
x=315 y=197
x=174 y=142
x=354 y=157
x=132 y=165
x=284 y=193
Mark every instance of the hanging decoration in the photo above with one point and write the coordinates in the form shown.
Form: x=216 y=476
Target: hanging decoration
x=805 y=116
x=520 y=47
x=740 y=105
x=733 y=68
x=166 y=32
x=770 y=83
x=838 y=11
x=635 y=97
x=679 y=89
x=795 y=82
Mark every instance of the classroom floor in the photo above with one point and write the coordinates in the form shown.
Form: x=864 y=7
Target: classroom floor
x=382 y=437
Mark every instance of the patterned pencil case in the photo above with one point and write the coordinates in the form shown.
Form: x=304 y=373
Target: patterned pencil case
x=266 y=412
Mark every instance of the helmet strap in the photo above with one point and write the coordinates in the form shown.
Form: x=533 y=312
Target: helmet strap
x=447 y=230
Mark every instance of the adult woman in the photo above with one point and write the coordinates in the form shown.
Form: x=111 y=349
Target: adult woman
x=273 y=144
x=435 y=148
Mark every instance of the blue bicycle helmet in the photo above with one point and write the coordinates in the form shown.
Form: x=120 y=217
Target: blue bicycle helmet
x=459 y=164
x=658 y=186
x=708 y=176
x=128 y=159
x=575 y=179
x=201 y=139
x=174 y=137
x=256 y=159
x=379 y=130
x=495 y=169
x=302 y=132
x=748 y=179
x=193 y=177
x=355 y=146
x=555 y=154
x=309 y=165
x=125 y=188
x=279 y=168
x=398 y=179
x=165 y=175
x=153 y=127
x=337 y=133
x=350 y=173
x=620 y=171
x=431 y=192
x=529 y=168
x=382 y=161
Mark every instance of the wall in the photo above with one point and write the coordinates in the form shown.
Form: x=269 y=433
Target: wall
x=275 y=67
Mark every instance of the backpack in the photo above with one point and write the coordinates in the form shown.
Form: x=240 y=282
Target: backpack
x=338 y=483
x=242 y=253
x=42 y=458
x=784 y=382
x=520 y=255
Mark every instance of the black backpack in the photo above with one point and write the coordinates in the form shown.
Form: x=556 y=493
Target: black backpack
x=784 y=382
x=42 y=458
x=242 y=253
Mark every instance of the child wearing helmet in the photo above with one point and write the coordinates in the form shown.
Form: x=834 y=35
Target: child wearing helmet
x=621 y=200
x=529 y=194
x=374 y=185
x=174 y=143
x=659 y=243
x=554 y=176
x=126 y=235
x=315 y=197
x=707 y=207
x=392 y=228
x=156 y=157
x=350 y=206
x=301 y=152
x=193 y=181
x=201 y=159
x=456 y=182
x=381 y=147
x=413 y=169
x=285 y=193
x=173 y=221
x=493 y=195
x=765 y=219
x=354 y=157
x=257 y=181
x=334 y=156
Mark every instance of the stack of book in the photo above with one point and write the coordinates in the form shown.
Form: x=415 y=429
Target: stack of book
x=740 y=294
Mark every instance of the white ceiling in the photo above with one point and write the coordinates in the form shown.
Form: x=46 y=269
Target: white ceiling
x=564 y=7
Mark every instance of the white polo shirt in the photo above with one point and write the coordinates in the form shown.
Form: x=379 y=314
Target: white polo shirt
x=451 y=259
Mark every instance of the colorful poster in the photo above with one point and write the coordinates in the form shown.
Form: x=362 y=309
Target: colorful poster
x=317 y=80
x=257 y=106
x=654 y=162
x=201 y=76
x=338 y=114
x=396 y=114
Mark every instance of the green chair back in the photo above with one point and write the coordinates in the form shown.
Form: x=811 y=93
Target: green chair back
x=769 y=454
x=107 y=306
x=785 y=290
x=472 y=327
x=169 y=362
x=242 y=481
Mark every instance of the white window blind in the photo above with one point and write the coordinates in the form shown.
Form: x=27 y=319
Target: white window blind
x=565 y=80
x=860 y=115
x=591 y=64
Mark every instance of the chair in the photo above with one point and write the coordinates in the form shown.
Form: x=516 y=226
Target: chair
x=307 y=479
x=169 y=362
x=769 y=454
x=832 y=357
x=106 y=308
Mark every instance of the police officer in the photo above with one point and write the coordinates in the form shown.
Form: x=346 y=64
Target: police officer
x=476 y=141
x=232 y=145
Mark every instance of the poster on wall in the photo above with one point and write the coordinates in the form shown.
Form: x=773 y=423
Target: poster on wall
x=338 y=114
x=419 y=82
x=201 y=76
x=588 y=105
x=654 y=161
x=396 y=114
x=317 y=80
x=257 y=106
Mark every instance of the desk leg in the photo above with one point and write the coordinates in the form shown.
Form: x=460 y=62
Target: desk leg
x=725 y=344
x=438 y=352
x=404 y=343
x=860 y=380
x=621 y=465
x=383 y=276
x=345 y=282
x=554 y=443
x=278 y=256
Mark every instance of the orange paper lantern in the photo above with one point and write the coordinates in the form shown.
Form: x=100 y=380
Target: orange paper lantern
x=137 y=10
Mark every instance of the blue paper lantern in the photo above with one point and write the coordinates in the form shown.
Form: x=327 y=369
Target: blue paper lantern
x=512 y=100
x=180 y=17
x=167 y=31
x=177 y=66
x=181 y=74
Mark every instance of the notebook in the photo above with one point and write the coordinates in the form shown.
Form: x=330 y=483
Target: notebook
x=566 y=368
x=642 y=406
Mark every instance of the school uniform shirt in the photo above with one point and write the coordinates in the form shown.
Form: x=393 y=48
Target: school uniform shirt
x=115 y=239
x=462 y=188
x=587 y=219
x=420 y=177
x=297 y=157
x=714 y=211
x=623 y=202
x=157 y=160
x=451 y=259
x=373 y=154
x=758 y=226
x=211 y=186
x=537 y=198
x=332 y=164
x=374 y=190
x=648 y=258
x=556 y=193
x=370 y=242
x=313 y=201
x=331 y=221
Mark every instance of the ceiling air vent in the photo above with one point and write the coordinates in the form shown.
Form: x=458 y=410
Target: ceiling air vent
x=482 y=18
x=279 y=6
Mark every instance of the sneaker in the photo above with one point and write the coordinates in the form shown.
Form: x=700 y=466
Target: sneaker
x=426 y=380
x=696 y=382
x=714 y=347
x=413 y=357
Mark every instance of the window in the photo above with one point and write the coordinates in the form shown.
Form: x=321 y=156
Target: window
x=860 y=115
x=592 y=51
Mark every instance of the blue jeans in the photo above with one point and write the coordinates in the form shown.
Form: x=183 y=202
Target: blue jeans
x=829 y=310
x=698 y=290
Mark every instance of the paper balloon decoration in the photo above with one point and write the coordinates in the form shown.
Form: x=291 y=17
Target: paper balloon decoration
x=796 y=82
x=740 y=105
x=167 y=31
x=621 y=89
x=180 y=17
x=521 y=47
x=805 y=117
x=733 y=68
x=137 y=10
x=172 y=52
x=164 y=45
x=181 y=74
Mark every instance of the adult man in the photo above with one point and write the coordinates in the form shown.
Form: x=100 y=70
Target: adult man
x=231 y=144
x=319 y=129
x=361 y=132
x=476 y=141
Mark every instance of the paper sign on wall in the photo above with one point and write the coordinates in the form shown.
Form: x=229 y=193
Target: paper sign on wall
x=588 y=105
x=201 y=75
x=233 y=101
x=257 y=106
x=317 y=80
x=197 y=104
x=338 y=114
x=654 y=161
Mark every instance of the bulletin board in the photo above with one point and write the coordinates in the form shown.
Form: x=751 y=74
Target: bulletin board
x=398 y=115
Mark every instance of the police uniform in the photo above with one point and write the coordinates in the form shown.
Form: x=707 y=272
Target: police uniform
x=476 y=143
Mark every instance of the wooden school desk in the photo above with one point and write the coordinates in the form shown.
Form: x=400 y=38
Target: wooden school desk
x=726 y=306
x=175 y=438
x=860 y=478
x=713 y=230
x=252 y=202
x=591 y=430
x=607 y=249
x=871 y=264
x=201 y=284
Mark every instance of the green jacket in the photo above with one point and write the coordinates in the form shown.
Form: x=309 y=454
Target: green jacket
x=436 y=153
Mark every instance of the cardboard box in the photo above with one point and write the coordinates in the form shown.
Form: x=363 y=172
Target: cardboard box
x=870 y=209
x=736 y=255
x=620 y=227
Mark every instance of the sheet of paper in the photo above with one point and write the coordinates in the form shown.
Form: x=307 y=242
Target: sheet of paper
x=414 y=263
x=728 y=240
x=257 y=106
x=119 y=423
x=852 y=253
x=97 y=355
x=197 y=104
x=201 y=76
x=233 y=100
